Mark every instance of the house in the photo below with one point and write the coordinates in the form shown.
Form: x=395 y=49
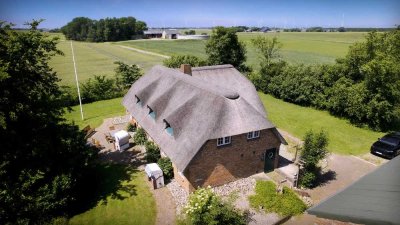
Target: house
x=265 y=29
x=208 y=120
x=161 y=33
x=153 y=33
x=170 y=34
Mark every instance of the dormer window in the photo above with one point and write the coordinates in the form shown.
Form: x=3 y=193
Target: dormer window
x=152 y=114
x=168 y=128
x=223 y=141
x=253 y=134
x=138 y=100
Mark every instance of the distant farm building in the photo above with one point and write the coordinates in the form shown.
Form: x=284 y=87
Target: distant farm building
x=158 y=33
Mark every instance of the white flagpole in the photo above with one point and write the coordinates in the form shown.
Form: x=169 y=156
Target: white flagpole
x=76 y=78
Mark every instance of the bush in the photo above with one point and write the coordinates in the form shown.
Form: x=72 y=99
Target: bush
x=308 y=180
x=152 y=152
x=314 y=150
x=284 y=204
x=204 y=207
x=130 y=127
x=140 y=136
x=99 y=88
x=176 y=61
x=126 y=75
x=166 y=166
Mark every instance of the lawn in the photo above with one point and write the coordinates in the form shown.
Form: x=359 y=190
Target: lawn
x=297 y=47
x=122 y=197
x=95 y=59
x=284 y=204
x=94 y=113
x=344 y=138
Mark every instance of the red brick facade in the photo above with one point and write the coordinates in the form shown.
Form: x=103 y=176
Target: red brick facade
x=216 y=165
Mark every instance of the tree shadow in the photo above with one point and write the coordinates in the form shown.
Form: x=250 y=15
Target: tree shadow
x=325 y=178
x=105 y=181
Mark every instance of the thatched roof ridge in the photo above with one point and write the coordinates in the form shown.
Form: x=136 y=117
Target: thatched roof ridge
x=214 y=102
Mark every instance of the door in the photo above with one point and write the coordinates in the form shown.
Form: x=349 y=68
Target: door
x=269 y=159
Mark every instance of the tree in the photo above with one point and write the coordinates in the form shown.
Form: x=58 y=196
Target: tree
x=126 y=75
x=223 y=47
x=166 y=166
x=314 y=150
x=190 y=32
x=269 y=49
x=176 y=61
x=140 y=136
x=43 y=160
x=152 y=152
x=99 y=88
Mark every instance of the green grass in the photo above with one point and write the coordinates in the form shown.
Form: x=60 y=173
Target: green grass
x=96 y=59
x=308 y=48
x=344 y=138
x=122 y=197
x=284 y=204
x=94 y=113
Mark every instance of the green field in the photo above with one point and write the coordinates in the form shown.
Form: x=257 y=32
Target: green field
x=123 y=197
x=344 y=138
x=96 y=59
x=95 y=112
x=307 y=47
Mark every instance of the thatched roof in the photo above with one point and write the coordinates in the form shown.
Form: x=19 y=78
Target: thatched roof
x=216 y=101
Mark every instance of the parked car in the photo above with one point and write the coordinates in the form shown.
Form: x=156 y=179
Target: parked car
x=388 y=146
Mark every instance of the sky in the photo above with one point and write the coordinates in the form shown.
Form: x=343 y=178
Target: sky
x=208 y=13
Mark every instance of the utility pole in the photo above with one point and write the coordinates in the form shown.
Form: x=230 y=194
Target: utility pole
x=76 y=78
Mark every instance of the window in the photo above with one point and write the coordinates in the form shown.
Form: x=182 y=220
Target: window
x=152 y=114
x=138 y=100
x=223 y=141
x=168 y=128
x=253 y=134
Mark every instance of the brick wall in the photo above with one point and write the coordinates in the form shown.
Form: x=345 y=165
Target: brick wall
x=216 y=165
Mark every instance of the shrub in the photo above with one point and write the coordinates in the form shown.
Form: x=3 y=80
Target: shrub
x=126 y=75
x=130 y=127
x=314 y=150
x=176 y=61
x=284 y=204
x=99 y=88
x=166 y=166
x=140 y=136
x=152 y=152
x=204 y=207
x=308 y=179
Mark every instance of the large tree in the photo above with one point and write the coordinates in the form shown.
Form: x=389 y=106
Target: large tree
x=224 y=47
x=43 y=159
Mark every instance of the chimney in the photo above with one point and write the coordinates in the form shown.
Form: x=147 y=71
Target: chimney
x=186 y=69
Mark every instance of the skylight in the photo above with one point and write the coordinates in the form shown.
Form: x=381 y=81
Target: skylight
x=152 y=114
x=168 y=128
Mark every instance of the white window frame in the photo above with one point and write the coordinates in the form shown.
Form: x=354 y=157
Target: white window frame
x=253 y=134
x=224 y=141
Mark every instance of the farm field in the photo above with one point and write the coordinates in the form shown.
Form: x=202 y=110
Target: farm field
x=344 y=138
x=308 y=48
x=95 y=59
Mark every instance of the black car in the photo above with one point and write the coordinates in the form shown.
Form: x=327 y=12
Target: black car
x=388 y=146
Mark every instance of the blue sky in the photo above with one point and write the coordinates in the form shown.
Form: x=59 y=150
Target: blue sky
x=205 y=13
